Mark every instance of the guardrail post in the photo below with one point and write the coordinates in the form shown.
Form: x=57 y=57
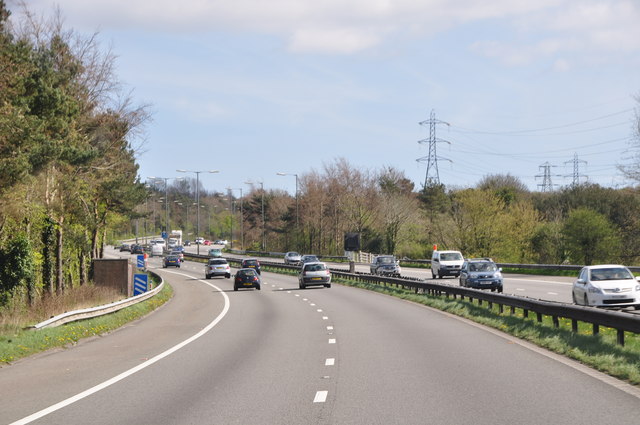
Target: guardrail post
x=556 y=322
x=539 y=317
x=620 y=337
x=596 y=329
x=525 y=313
x=513 y=310
x=574 y=325
x=500 y=308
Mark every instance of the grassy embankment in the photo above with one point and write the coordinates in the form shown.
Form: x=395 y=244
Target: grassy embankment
x=17 y=340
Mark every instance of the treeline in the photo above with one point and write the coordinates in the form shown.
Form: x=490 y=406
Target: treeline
x=499 y=218
x=67 y=167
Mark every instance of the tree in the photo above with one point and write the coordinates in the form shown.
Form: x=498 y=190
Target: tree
x=590 y=237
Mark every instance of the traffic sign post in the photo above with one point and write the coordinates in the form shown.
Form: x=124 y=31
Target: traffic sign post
x=140 y=283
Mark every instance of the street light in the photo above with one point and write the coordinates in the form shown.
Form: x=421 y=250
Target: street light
x=166 y=201
x=198 y=199
x=241 y=217
x=297 y=209
x=262 y=202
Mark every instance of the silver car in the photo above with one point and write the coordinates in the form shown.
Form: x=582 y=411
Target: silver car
x=314 y=274
x=292 y=258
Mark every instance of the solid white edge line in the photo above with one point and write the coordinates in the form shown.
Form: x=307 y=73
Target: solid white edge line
x=321 y=397
x=123 y=375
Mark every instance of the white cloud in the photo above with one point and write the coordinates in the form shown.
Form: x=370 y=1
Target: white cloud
x=340 y=26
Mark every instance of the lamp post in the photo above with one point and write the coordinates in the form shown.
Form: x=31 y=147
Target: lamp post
x=166 y=202
x=262 y=208
x=241 y=215
x=197 y=173
x=297 y=209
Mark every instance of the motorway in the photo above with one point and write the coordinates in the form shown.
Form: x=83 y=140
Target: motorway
x=317 y=356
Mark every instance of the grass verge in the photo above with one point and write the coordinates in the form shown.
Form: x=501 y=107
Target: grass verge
x=24 y=342
x=597 y=351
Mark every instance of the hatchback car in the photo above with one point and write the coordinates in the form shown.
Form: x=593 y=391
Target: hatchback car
x=206 y=242
x=171 y=260
x=292 y=258
x=481 y=273
x=246 y=278
x=251 y=263
x=315 y=273
x=217 y=267
x=137 y=249
x=215 y=253
x=125 y=247
x=608 y=285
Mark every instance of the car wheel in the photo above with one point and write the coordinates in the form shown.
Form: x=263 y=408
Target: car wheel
x=258 y=287
x=228 y=275
x=573 y=297
x=328 y=285
x=586 y=300
x=207 y=276
x=235 y=288
x=637 y=306
x=460 y=282
x=433 y=275
x=303 y=286
x=500 y=289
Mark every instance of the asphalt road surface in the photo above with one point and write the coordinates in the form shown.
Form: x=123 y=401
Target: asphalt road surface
x=316 y=356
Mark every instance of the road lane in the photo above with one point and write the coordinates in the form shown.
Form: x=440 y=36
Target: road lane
x=345 y=356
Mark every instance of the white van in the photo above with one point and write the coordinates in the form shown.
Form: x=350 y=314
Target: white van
x=157 y=249
x=446 y=263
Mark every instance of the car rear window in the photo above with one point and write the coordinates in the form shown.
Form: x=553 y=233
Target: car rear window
x=218 y=261
x=315 y=267
x=251 y=262
x=250 y=272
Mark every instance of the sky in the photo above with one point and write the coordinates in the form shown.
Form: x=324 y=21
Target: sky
x=252 y=88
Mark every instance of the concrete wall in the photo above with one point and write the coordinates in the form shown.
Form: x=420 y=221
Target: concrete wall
x=114 y=273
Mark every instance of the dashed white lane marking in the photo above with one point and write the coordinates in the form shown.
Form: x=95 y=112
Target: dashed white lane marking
x=321 y=397
x=520 y=289
x=332 y=340
x=325 y=318
x=312 y=305
x=319 y=310
x=297 y=295
x=329 y=328
x=288 y=292
x=135 y=369
x=552 y=293
x=330 y=362
x=304 y=299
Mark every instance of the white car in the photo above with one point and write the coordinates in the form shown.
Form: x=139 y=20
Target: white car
x=199 y=241
x=607 y=285
x=293 y=258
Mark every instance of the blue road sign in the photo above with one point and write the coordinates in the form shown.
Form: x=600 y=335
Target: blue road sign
x=140 y=262
x=164 y=235
x=140 y=283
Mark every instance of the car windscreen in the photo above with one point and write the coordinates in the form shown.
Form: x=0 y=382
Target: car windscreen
x=450 y=256
x=482 y=267
x=613 y=273
x=386 y=260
